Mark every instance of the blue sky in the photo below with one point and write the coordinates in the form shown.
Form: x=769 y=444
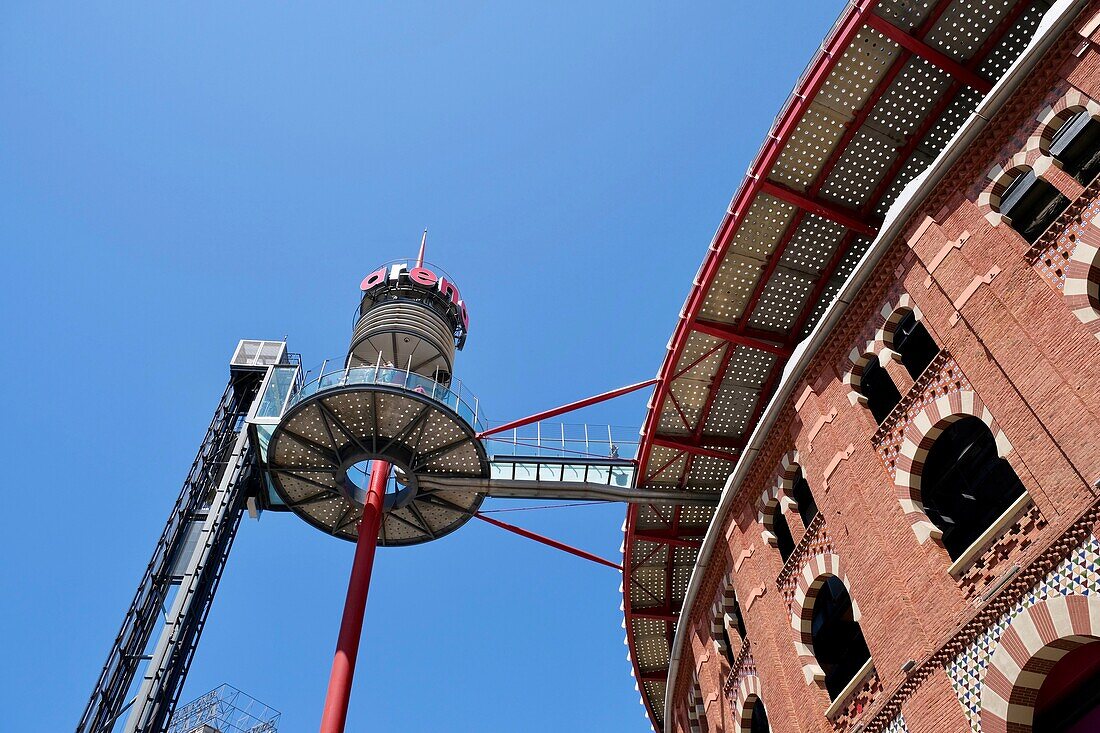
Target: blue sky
x=175 y=177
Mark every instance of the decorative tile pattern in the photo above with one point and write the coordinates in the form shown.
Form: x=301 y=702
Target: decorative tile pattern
x=897 y=725
x=940 y=378
x=1077 y=574
x=1052 y=259
x=815 y=541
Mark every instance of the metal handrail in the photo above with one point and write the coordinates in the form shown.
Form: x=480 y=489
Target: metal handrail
x=333 y=374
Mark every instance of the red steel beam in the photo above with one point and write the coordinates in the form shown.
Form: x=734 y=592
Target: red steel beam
x=547 y=541
x=692 y=448
x=658 y=676
x=666 y=540
x=567 y=408
x=929 y=54
x=730 y=334
x=842 y=215
x=657 y=614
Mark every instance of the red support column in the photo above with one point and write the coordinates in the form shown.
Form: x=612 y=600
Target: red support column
x=351 y=625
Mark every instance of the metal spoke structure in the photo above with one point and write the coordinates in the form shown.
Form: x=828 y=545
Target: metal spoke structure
x=890 y=85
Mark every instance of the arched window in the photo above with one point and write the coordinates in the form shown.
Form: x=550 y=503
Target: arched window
x=783 y=539
x=838 y=641
x=1076 y=145
x=758 y=723
x=1031 y=204
x=876 y=385
x=736 y=621
x=915 y=345
x=1069 y=700
x=965 y=485
x=800 y=492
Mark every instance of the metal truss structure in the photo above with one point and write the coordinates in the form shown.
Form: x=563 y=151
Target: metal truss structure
x=181 y=578
x=225 y=709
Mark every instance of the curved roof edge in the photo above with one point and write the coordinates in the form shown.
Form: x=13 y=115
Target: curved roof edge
x=1057 y=20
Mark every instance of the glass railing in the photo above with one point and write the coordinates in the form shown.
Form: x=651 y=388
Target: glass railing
x=612 y=473
x=332 y=375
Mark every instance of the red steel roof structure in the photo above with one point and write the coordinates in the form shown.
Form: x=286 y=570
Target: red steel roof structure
x=890 y=85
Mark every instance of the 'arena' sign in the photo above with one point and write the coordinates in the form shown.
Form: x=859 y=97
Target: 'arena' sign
x=420 y=276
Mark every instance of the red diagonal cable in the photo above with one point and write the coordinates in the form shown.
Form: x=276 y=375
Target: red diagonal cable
x=547 y=541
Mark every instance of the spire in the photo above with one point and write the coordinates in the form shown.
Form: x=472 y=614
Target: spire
x=423 y=242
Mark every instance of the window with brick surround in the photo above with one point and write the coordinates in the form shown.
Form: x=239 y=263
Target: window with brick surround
x=914 y=344
x=784 y=541
x=876 y=385
x=965 y=485
x=1069 y=699
x=800 y=492
x=735 y=621
x=758 y=720
x=1031 y=204
x=838 y=642
x=1076 y=146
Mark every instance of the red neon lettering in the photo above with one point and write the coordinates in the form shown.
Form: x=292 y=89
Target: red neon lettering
x=423 y=276
x=465 y=314
x=374 y=279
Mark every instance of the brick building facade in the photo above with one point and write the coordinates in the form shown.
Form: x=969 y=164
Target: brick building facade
x=914 y=541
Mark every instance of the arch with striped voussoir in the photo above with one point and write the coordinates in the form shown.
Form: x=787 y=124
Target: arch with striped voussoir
x=817 y=570
x=1052 y=117
x=858 y=360
x=1082 y=287
x=777 y=498
x=1035 y=640
x=917 y=440
x=869 y=384
x=697 y=717
x=726 y=626
x=892 y=313
x=904 y=338
x=748 y=697
x=1001 y=177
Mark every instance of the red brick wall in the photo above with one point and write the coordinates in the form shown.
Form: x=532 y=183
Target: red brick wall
x=1032 y=363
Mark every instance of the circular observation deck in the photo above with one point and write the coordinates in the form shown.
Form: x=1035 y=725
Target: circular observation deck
x=342 y=419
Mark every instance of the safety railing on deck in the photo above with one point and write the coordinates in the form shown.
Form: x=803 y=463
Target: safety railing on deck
x=334 y=374
x=567 y=441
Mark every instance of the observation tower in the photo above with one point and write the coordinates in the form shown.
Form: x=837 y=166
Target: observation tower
x=382 y=445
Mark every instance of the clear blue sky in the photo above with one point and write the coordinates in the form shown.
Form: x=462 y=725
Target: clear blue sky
x=177 y=176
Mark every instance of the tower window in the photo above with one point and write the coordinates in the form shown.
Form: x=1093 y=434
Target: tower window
x=915 y=344
x=1076 y=145
x=1031 y=204
x=965 y=485
x=758 y=723
x=800 y=492
x=783 y=539
x=838 y=640
x=877 y=386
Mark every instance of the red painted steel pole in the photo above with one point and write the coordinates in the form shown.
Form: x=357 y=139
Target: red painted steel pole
x=351 y=625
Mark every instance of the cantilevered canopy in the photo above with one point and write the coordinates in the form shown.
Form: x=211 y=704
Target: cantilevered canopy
x=890 y=85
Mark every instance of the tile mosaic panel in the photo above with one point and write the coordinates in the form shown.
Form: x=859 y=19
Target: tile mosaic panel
x=1077 y=574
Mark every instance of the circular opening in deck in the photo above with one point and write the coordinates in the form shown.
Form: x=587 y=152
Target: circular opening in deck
x=400 y=485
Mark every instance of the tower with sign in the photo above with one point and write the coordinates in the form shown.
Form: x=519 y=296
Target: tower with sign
x=382 y=445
